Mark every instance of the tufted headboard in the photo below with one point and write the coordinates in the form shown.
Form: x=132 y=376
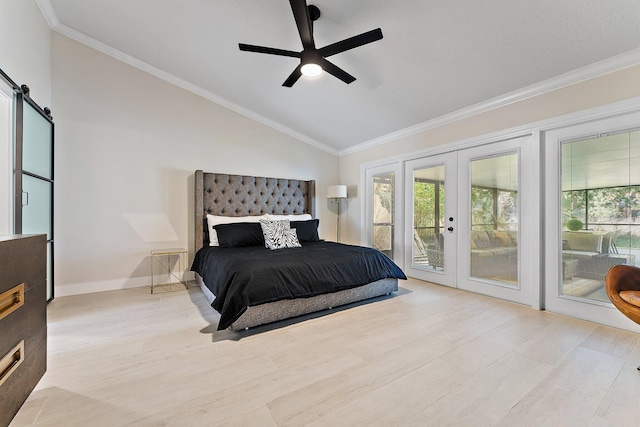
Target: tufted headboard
x=237 y=195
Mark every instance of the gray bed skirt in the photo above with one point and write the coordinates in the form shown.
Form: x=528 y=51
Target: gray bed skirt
x=280 y=310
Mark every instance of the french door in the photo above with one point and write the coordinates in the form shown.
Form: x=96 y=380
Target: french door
x=431 y=218
x=471 y=219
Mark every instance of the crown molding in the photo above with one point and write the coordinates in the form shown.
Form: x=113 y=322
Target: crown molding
x=615 y=63
x=48 y=13
x=55 y=25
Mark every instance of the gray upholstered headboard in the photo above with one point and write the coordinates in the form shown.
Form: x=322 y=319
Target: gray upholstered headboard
x=237 y=195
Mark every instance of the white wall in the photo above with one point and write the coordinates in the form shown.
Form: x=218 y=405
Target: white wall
x=25 y=47
x=127 y=145
x=606 y=89
x=25 y=57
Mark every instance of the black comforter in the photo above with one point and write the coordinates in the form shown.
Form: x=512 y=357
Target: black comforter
x=248 y=276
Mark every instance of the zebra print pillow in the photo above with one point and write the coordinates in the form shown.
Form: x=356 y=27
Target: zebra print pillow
x=279 y=234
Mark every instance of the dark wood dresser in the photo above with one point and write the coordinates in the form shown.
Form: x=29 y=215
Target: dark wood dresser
x=23 y=319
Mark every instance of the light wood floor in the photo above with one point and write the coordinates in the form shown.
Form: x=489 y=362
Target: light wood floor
x=428 y=356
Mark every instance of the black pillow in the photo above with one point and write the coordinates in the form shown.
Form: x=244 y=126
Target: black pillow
x=307 y=230
x=239 y=234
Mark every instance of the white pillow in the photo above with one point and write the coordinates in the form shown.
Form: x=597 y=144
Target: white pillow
x=213 y=220
x=303 y=217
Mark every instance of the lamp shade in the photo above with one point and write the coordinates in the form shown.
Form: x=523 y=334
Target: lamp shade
x=337 y=192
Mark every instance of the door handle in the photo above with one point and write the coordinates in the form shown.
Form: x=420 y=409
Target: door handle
x=23 y=198
x=450 y=228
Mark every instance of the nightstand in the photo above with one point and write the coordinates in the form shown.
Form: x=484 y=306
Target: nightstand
x=168 y=267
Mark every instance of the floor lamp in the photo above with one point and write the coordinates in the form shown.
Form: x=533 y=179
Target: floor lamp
x=335 y=193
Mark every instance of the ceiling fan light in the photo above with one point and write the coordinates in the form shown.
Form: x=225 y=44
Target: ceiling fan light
x=311 y=70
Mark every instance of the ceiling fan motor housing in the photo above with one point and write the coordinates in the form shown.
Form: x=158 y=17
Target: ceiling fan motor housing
x=314 y=12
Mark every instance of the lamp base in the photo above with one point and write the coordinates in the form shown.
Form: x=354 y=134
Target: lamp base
x=337 y=202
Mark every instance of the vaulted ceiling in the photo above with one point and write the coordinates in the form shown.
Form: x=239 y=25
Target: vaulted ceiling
x=437 y=57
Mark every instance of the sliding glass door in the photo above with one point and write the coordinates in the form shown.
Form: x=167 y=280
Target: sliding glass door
x=34 y=177
x=600 y=211
x=594 y=214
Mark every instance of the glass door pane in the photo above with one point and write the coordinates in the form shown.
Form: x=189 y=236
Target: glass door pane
x=37 y=156
x=600 y=211
x=493 y=239
x=36 y=206
x=384 y=212
x=428 y=218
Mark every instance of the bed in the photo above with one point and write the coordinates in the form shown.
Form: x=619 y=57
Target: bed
x=251 y=285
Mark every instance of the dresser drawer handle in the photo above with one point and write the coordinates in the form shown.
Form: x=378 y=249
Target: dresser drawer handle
x=11 y=361
x=11 y=300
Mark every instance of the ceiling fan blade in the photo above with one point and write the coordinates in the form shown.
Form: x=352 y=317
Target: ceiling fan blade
x=293 y=77
x=336 y=71
x=303 y=22
x=268 y=50
x=351 y=42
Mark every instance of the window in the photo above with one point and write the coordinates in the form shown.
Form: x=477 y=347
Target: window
x=383 y=212
x=600 y=210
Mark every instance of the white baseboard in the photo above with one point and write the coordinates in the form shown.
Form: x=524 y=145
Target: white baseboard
x=65 y=290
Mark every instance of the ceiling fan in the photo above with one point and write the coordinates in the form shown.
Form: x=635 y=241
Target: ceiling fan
x=312 y=59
